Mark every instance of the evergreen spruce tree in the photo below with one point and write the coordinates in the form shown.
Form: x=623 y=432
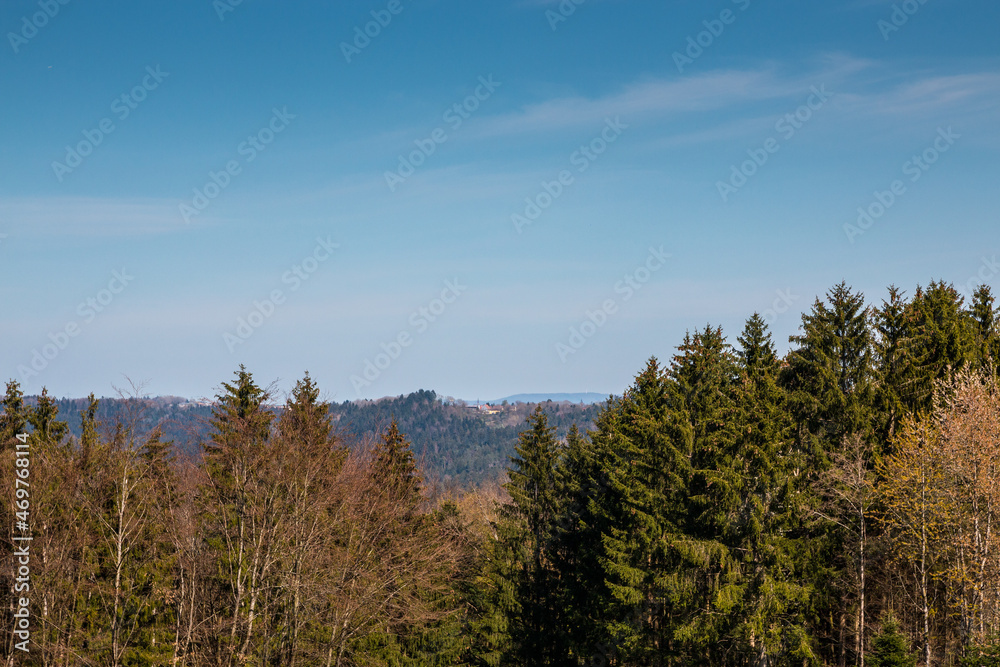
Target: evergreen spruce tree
x=14 y=417
x=828 y=380
x=893 y=363
x=306 y=419
x=703 y=383
x=890 y=647
x=661 y=571
x=703 y=379
x=982 y=655
x=495 y=597
x=310 y=458
x=42 y=418
x=829 y=374
x=88 y=431
x=983 y=315
x=576 y=543
x=233 y=508
x=769 y=601
x=640 y=516
x=13 y=420
x=401 y=641
x=395 y=468
x=239 y=419
x=528 y=525
x=943 y=339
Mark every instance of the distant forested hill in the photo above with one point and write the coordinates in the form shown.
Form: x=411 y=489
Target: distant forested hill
x=456 y=444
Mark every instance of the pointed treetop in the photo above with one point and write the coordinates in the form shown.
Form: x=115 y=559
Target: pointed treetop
x=43 y=419
x=305 y=392
x=757 y=355
x=983 y=310
x=14 y=417
x=305 y=415
x=395 y=466
x=241 y=412
x=703 y=367
x=88 y=423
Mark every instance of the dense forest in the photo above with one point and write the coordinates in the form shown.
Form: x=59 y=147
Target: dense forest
x=838 y=505
x=455 y=444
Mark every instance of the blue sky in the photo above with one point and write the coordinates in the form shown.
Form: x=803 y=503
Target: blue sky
x=633 y=127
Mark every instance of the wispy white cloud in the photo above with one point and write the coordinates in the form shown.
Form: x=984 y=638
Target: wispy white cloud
x=874 y=100
x=933 y=93
x=658 y=97
x=664 y=97
x=862 y=88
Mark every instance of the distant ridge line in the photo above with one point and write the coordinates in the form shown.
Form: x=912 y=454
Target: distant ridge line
x=582 y=397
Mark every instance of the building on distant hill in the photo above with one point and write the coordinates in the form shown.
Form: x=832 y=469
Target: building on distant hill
x=204 y=402
x=485 y=408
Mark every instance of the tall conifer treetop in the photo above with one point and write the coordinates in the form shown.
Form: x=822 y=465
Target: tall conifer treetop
x=240 y=413
x=305 y=415
x=13 y=419
x=395 y=465
x=43 y=420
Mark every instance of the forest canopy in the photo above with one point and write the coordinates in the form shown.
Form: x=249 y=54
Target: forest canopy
x=835 y=505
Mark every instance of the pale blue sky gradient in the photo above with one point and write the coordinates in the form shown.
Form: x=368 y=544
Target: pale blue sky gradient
x=324 y=177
